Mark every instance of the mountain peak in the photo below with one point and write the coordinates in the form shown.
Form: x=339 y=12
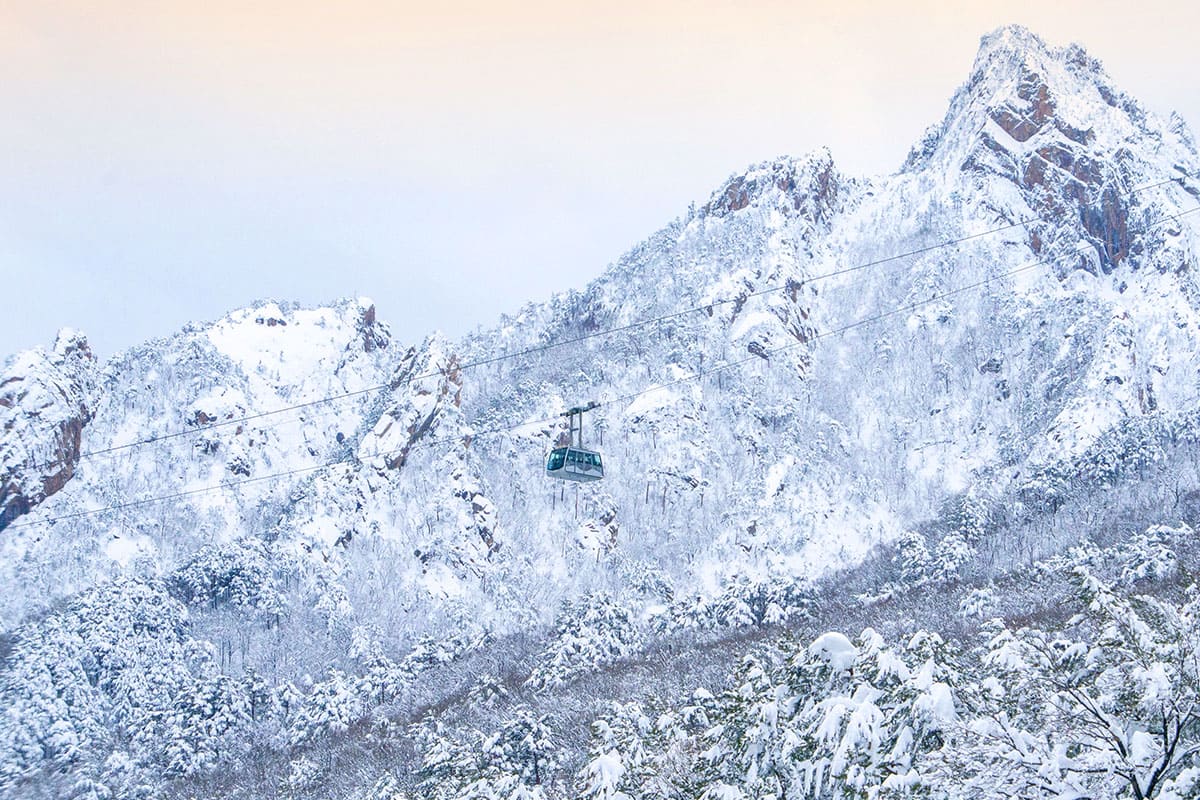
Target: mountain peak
x=1011 y=39
x=1021 y=87
x=1013 y=58
x=1010 y=49
x=808 y=184
x=70 y=342
x=1049 y=122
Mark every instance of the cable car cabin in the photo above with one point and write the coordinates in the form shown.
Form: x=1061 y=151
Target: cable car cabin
x=574 y=464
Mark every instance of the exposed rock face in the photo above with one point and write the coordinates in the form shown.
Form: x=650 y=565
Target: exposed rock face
x=45 y=402
x=1050 y=121
x=1021 y=120
x=375 y=335
x=432 y=386
x=811 y=186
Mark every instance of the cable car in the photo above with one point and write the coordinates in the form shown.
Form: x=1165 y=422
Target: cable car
x=575 y=462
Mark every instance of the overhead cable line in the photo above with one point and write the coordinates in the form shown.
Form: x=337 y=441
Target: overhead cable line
x=706 y=307
x=351 y=458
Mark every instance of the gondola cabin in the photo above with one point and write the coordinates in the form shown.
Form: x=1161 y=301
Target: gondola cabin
x=574 y=464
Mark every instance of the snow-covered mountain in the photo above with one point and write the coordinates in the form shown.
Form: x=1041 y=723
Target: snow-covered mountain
x=947 y=363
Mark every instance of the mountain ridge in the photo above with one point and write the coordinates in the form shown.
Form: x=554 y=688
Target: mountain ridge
x=813 y=198
x=813 y=387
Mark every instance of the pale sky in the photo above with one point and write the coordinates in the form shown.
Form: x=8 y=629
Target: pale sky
x=163 y=161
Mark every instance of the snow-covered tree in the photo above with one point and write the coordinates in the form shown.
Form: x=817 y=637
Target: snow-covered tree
x=588 y=634
x=1109 y=707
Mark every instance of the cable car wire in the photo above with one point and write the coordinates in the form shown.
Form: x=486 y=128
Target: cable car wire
x=108 y=451
x=352 y=458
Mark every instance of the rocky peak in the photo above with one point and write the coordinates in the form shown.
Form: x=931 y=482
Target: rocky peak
x=1078 y=149
x=428 y=384
x=46 y=399
x=1021 y=88
x=810 y=185
x=375 y=335
x=72 y=346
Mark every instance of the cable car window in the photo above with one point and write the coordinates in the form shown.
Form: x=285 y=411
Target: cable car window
x=556 y=460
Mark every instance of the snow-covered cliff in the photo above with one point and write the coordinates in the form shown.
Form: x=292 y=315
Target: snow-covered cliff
x=938 y=361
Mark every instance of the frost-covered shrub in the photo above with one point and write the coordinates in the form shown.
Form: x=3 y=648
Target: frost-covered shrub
x=243 y=573
x=978 y=604
x=742 y=602
x=950 y=556
x=201 y=725
x=332 y=706
x=515 y=761
x=304 y=775
x=1150 y=555
x=488 y=690
x=431 y=651
x=913 y=558
x=588 y=633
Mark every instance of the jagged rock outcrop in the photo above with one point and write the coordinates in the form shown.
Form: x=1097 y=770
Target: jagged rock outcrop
x=1051 y=122
x=374 y=334
x=46 y=399
x=811 y=186
x=428 y=386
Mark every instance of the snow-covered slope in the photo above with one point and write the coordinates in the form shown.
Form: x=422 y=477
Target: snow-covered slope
x=251 y=362
x=935 y=359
